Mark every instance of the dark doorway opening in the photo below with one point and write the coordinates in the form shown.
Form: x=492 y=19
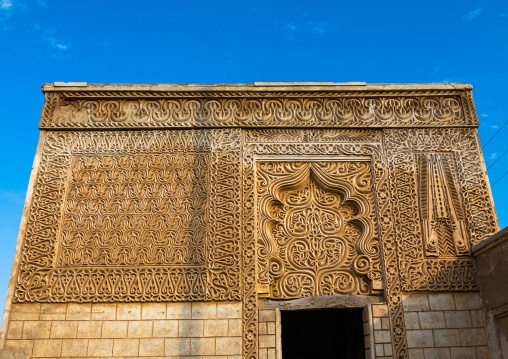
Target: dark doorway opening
x=323 y=334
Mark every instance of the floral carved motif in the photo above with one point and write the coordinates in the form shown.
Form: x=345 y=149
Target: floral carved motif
x=317 y=228
x=146 y=216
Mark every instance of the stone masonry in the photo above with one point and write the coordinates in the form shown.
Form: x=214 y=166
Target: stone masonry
x=99 y=330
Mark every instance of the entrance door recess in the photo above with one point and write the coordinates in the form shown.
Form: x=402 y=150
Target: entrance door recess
x=322 y=334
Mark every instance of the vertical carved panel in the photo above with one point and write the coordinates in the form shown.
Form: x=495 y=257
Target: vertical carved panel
x=317 y=228
x=441 y=208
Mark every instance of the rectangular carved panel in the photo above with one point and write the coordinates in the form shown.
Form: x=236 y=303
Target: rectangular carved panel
x=136 y=210
x=134 y=216
x=317 y=228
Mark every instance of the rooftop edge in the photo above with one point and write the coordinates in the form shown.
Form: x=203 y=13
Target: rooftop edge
x=256 y=87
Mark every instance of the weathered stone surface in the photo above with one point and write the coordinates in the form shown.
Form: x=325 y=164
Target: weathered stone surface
x=179 y=220
x=12 y=355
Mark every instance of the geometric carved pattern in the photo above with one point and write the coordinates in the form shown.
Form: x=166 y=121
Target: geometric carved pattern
x=146 y=189
x=136 y=210
x=441 y=208
x=317 y=228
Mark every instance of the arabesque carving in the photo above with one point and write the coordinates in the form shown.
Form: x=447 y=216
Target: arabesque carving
x=302 y=192
x=393 y=111
x=147 y=216
x=317 y=228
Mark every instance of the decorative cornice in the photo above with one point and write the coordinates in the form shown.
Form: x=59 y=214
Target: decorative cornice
x=250 y=106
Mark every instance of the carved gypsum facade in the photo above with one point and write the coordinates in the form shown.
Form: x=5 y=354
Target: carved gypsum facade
x=230 y=193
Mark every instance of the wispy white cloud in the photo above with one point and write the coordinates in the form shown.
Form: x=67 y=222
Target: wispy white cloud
x=484 y=115
x=494 y=126
x=291 y=26
x=473 y=14
x=492 y=156
x=5 y=4
x=318 y=27
x=55 y=43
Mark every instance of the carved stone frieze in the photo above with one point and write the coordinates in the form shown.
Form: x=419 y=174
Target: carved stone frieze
x=134 y=216
x=397 y=110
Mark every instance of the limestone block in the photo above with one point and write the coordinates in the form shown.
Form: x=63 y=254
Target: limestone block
x=416 y=354
x=165 y=328
x=463 y=353
x=104 y=311
x=74 y=347
x=100 y=347
x=125 y=347
x=441 y=301
x=379 y=310
x=190 y=328
x=228 y=346
x=47 y=348
x=12 y=355
x=114 y=329
x=235 y=328
x=25 y=311
x=128 y=311
x=151 y=347
x=79 y=311
x=262 y=328
x=458 y=319
x=15 y=330
x=477 y=318
x=153 y=311
x=388 y=349
x=53 y=311
x=140 y=329
x=411 y=320
x=376 y=323
x=382 y=336
x=177 y=346
x=202 y=346
x=36 y=330
x=482 y=352
x=380 y=350
x=267 y=315
x=470 y=337
x=467 y=300
x=204 y=310
x=64 y=329
x=23 y=346
x=415 y=302
x=447 y=337
x=216 y=328
x=179 y=310
x=229 y=310
x=270 y=327
x=420 y=338
x=263 y=353
x=429 y=320
x=89 y=329
x=437 y=353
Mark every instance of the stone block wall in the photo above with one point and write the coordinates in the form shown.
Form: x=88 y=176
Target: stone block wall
x=445 y=325
x=199 y=330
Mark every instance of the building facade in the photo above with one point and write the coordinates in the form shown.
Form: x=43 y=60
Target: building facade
x=208 y=221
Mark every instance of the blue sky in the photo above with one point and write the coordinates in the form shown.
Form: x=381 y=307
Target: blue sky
x=241 y=42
